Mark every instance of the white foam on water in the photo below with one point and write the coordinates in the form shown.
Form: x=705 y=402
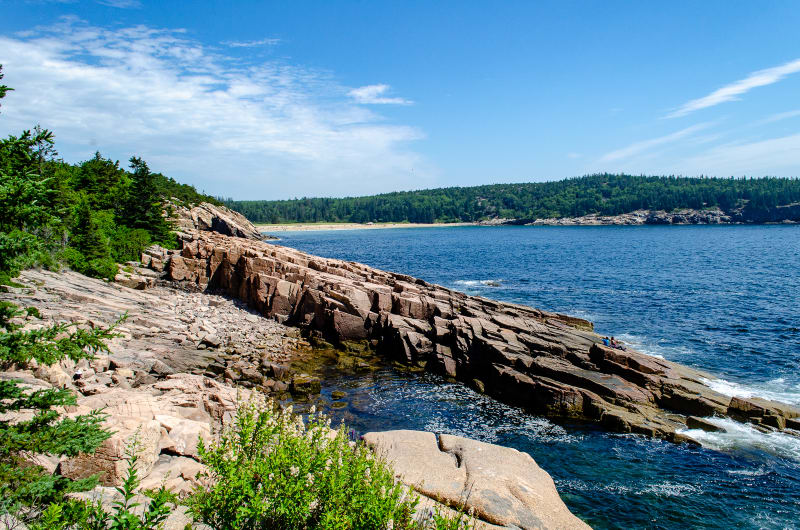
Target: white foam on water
x=481 y=283
x=645 y=346
x=741 y=436
x=671 y=489
x=774 y=390
x=659 y=489
x=748 y=472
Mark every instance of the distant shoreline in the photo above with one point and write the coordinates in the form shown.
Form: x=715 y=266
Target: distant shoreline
x=312 y=227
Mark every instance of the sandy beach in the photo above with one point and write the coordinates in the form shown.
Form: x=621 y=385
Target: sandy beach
x=304 y=227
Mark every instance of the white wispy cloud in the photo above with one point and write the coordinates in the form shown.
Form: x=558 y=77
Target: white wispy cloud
x=732 y=91
x=251 y=43
x=774 y=156
x=643 y=146
x=374 y=95
x=779 y=117
x=264 y=130
x=122 y=4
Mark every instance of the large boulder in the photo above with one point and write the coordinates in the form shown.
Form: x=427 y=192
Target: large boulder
x=211 y=218
x=502 y=486
x=110 y=460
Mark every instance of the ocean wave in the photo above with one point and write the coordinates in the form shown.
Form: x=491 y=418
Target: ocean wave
x=659 y=489
x=479 y=283
x=774 y=390
x=654 y=348
x=748 y=472
x=741 y=436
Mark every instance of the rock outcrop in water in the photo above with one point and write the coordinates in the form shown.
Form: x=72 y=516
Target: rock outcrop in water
x=548 y=363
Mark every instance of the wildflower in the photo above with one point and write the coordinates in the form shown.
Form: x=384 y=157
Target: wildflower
x=294 y=471
x=367 y=473
x=390 y=524
x=383 y=491
x=271 y=477
x=310 y=478
x=312 y=410
x=328 y=464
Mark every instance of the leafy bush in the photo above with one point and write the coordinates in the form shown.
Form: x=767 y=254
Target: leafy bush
x=127 y=244
x=97 y=268
x=271 y=470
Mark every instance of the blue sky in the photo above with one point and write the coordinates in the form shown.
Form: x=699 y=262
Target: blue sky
x=276 y=100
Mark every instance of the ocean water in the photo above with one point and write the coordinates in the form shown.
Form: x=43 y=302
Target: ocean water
x=725 y=299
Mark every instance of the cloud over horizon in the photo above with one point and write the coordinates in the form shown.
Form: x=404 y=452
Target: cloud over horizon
x=261 y=130
x=730 y=92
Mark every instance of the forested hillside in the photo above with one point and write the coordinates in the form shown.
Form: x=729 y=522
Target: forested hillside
x=603 y=194
x=89 y=216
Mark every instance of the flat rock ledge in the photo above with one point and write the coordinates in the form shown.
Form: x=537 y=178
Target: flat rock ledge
x=502 y=487
x=547 y=363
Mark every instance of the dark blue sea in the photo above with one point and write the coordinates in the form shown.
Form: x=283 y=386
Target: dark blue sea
x=725 y=299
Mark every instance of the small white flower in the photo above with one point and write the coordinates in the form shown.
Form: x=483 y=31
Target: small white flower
x=367 y=473
x=294 y=471
x=390 y=524
x=271 y=477
x=310 y=478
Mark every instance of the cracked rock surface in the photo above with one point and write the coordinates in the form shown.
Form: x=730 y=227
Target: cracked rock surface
x=503 y=487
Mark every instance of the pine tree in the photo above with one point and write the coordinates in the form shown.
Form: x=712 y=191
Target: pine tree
x=26 y=488
x=87 y=236
x=142 y=207
x=3 y=88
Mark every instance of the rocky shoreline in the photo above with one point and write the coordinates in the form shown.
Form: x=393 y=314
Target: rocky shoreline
x=789 y=214
x=182 y=363
x=547 y=363
x=196 y=342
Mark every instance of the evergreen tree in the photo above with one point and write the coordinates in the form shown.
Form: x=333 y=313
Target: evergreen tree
x=142 y=207
x=86 y=235
x=26 y=488
x=3 y=88
x=93 y=255
x=102 y=181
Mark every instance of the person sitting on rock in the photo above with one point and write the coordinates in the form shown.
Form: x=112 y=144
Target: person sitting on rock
x=606 y=342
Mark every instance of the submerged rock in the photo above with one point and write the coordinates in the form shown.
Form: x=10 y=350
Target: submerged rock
x=693 y=422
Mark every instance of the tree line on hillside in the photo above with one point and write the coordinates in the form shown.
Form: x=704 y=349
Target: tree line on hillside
x=604 y=194
x=89 y=216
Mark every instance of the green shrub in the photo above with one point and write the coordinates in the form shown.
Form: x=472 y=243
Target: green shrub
x=127 y=244
x=271 y=470
x=96 y=268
